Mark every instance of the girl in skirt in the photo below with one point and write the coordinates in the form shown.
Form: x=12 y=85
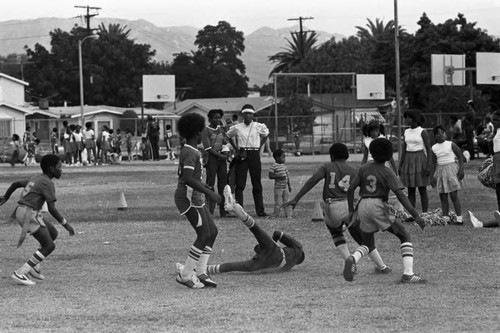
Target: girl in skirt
x=414 y=167
x=447 y=172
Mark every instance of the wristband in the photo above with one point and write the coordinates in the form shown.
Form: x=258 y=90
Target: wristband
x=64 y=221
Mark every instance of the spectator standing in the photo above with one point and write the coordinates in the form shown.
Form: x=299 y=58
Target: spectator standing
x=68 y=145
x=415 y=164
x=105 y=146
x=296 y=140
x=153 y=135
x=78 y=137
x=469 y=125
x=128 y=140
x=168 y=142
x=216 y=165
x=282 y=187
x=54 y=138
x=251 y=135
x=455 y=132
x=90 y=145
x=16 y=146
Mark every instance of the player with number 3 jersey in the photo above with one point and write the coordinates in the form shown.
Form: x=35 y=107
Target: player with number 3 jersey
x=337 y=175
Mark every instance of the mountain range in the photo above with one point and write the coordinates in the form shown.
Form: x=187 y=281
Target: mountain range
x=259 y=45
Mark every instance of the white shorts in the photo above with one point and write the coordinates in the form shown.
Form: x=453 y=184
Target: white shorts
x=336 y=213
x=374 y=215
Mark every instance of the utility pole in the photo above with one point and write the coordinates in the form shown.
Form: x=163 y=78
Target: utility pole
x=88 y=16
x=301 y=31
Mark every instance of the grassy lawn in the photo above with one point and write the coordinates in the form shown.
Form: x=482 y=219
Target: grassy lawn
x=118 y=273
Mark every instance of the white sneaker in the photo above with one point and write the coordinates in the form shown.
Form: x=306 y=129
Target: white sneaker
x=35 y=272
x=193 y=282
x=475 y=222
x=239 y=212
x=22 y=279
x=228 y=199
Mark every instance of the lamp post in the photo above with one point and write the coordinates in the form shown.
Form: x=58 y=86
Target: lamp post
x=80 y=42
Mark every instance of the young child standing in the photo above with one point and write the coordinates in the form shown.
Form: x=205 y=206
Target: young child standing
x=282 y=187
x=16 y=145
x=446 y=173
x=337 y=175
x=194 y=271
x=54 y=137
x=128 y=140
x=37 y=190
x=372 y=131
x=375 y=181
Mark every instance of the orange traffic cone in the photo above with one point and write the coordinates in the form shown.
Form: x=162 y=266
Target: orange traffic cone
x=318 y=213
x=123 y=202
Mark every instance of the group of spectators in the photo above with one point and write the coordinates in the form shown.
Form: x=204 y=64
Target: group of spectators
x=243 y=140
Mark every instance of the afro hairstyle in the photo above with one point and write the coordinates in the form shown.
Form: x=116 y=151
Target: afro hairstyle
x=213 y=112
x=190 y=124
x=339 y=151
x=381 y=150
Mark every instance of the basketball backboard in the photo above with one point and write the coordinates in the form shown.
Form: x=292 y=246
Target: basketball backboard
x=487 y=68
x=370 y=86
x=158 y=88
x=448 y=69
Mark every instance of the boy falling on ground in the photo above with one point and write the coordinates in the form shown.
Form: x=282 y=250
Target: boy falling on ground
x=270 y=256
x=375 y=181
x=37 y=190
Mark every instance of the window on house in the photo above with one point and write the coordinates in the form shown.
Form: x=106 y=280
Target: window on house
x=5 y=129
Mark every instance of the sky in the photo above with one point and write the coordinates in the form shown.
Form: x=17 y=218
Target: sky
x=333 y=16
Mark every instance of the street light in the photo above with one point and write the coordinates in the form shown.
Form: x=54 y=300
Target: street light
x=80 y=42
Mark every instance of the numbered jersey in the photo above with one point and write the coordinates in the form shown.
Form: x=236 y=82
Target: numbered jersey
x=376 y=180
x=40 y=189
x=337 y=176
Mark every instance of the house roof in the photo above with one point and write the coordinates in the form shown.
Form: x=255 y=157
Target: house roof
x=11 y=78
x=89 y=110
x=228 y=104
x=15 y=107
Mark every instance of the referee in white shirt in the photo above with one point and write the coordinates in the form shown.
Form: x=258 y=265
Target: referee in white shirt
x=251 y=135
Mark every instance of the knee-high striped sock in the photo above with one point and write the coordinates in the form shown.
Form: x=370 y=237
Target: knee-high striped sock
x=201 y=266
x=243 y=216
x=377 y=259
x=407 y=253
x=360 y=252
x=191 y=261
x=213 y=269
x=35 y=259
x=341 y=245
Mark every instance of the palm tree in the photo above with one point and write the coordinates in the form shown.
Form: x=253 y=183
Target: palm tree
x=297 y=50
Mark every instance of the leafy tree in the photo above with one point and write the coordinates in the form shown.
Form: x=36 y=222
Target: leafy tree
x=454 y=36
x=113 y=66
x=215 y=69
x=301 y=45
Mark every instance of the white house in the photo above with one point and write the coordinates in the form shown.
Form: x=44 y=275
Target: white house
x=12 y=106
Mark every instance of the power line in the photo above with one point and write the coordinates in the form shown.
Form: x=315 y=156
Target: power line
x=88 y=16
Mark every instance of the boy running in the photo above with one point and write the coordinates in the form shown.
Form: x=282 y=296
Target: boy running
x=37 y=190
x=337 y=175
x=375 y=181
x=194 y=271
x=270 y=256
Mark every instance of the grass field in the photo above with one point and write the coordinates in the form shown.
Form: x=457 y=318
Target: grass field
x=118 y=273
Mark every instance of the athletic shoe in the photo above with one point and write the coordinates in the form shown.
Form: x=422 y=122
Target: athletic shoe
x=385 y=270
x=35 y=272
x=22 y=279
x=207 y=280
x=475 y=222
x=193 y=282
x=414 y=279
x=179 y=267
x=349 y=268
x=228 y=199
